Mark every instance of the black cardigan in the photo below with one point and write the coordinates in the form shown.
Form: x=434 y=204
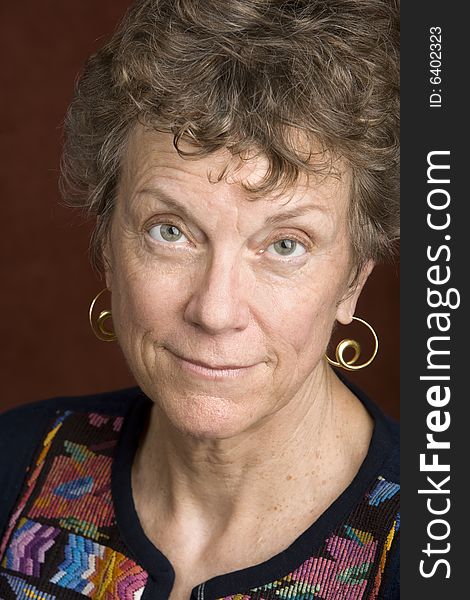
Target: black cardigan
x=351 y=551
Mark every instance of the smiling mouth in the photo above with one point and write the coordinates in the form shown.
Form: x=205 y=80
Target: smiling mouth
x=211 y=371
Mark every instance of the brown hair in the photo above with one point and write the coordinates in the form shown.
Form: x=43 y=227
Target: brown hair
x=244 y=75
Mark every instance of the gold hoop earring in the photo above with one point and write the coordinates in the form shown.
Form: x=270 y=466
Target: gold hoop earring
x=103 y=334
x=347 y=343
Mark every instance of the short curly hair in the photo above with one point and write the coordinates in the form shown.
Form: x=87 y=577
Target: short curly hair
x=243 y=75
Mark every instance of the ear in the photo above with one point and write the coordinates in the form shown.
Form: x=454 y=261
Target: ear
x=347 y=304
x=107 y=262
x=108 y=277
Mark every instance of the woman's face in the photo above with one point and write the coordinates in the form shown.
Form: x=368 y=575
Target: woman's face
x=223 y=305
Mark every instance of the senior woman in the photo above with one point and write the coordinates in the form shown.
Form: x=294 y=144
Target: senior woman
x=241 y=160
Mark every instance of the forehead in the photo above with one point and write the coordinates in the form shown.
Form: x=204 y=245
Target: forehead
x=151 y=159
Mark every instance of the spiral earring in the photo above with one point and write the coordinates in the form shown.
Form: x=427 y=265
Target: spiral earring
x=99 y=329
x=350 y=365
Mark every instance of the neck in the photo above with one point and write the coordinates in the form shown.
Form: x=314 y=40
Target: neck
x=302 y=451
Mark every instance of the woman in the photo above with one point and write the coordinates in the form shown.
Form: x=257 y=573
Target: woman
x=241 y=160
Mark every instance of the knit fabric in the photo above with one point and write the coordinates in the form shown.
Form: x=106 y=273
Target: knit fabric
x=63 y=539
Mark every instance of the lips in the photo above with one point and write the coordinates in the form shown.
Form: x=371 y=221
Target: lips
x=229 y=366
x=221 y=367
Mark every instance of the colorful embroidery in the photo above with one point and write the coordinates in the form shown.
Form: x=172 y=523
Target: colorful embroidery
x=30 y=485
x=27 y=550
x=24 y=590
x=63 y=541
x=95 y=570
x=383 y=558
x=79 y=487
x=383 y=492
x=65 y=513
x=346 y=566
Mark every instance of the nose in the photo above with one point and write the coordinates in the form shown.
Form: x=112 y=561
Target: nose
x=218 y=303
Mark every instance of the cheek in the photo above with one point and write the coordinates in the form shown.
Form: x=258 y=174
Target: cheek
x=146 y=301
x=300 y=320
x=306 y=331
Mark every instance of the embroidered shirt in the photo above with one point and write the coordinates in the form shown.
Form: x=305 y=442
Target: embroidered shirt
x=69 y=528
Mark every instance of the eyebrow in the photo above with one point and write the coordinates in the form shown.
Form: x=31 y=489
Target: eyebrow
x=295 y=212
x=171 y=202
x=159 y=194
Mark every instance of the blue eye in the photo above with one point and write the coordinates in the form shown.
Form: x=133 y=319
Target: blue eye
x=166 y=232
x=287 y=247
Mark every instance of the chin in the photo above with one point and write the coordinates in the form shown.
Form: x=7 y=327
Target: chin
x=206 y=417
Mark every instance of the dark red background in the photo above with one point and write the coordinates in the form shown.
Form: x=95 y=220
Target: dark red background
x=47 y=284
